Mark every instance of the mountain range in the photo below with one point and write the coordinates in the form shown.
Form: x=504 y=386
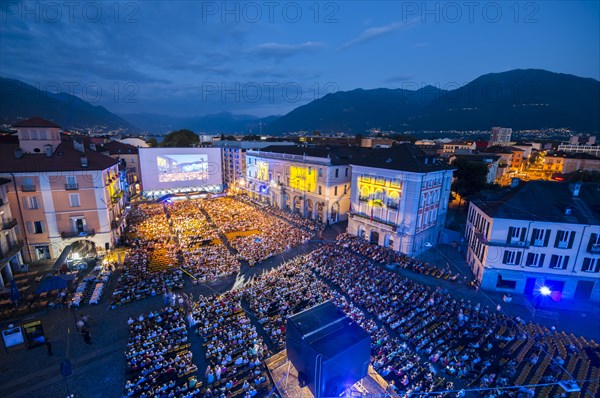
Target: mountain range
x=223 y=122
x=19 y=100
x=521 y=99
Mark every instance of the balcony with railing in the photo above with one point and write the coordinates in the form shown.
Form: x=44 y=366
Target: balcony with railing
x=374 y=220
x=8 y=224
x=594 y=248
x=71 y=186
x=77 y=234
x=28 y=188
x=13 y=248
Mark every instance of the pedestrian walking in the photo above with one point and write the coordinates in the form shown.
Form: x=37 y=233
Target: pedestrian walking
x=86 y=336
x=49 y=348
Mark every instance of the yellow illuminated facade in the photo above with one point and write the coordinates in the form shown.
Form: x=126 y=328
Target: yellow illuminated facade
x=303 y=178
x=262 y=171
x=377 y=191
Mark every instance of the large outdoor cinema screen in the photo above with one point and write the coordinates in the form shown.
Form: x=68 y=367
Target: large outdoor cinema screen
x=173 y=168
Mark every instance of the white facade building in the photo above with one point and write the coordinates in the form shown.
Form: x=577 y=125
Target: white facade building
x=233 y=156
x=399 y=198
x=539 y=234
x=579 y=148
x=312 y=181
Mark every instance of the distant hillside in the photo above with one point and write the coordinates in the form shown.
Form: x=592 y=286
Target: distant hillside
x=521 y=99
x=357 y=110
x=19 y=100
x=223 y=122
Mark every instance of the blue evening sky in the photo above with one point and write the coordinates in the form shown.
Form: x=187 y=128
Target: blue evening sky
x=187 y=58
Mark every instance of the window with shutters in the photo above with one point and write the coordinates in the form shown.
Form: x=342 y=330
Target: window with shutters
x=35 y=227
x=564 y=239
x=594 y=243
x=591 y=264
x=74 y=200
x=31 y=203
x=511 y=257
x=559 y=262
x=535 y=259
x=539 y=237
x=516 y=235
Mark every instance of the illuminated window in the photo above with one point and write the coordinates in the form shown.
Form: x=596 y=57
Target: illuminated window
x=393 y=200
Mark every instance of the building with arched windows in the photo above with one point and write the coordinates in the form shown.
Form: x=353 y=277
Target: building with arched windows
x=399 y=198
x=312 y=181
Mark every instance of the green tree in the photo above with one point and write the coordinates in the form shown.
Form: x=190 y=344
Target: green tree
x=534 y=159
x=180 y=139
x=152 y=142
x=470 y=177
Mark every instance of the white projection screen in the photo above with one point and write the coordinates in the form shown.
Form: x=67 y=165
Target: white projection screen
x=178 y=168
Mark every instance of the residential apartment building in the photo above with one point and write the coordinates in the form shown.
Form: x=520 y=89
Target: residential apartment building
x=399 y=198
x=565 y=163
x=233 y=156
x=60 y=192
x=458 y=148
x=582 y=139
x=540 y=234
x=500 y=136
x=11 y=258
x=593 y=150
x=312 y=181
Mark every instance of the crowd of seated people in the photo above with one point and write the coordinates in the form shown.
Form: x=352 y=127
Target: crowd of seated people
x=386 y=255
x=150 y=264
x=293 y=287
x=469 y=344
x=159 y=362
x=234 y=350
x=296 y=218
x=273 y=236
x=204 y=254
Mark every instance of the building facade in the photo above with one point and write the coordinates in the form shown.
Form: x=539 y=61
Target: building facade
x=129 y=157
x=500 y=136
x=233 y=157
x=565 y=163
x=458 y=148
x=60 y=192
x=540 y=234
x=580 y=148
x=399 y=198
x=312 y=181
x=11 y=258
